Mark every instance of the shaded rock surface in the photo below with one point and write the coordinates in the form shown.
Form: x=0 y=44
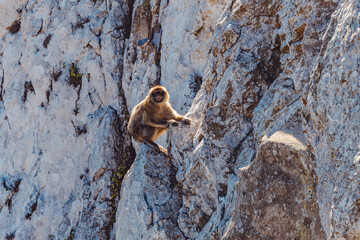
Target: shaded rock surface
x=272 y=88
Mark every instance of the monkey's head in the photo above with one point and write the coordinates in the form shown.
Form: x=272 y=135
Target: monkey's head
x=158 y=94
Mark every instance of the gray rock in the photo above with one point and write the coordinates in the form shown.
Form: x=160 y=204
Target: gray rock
x=150 y=198
x=272 y=90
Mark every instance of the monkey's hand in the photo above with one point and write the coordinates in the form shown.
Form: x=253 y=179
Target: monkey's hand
x=173 y=122
x=187 y=121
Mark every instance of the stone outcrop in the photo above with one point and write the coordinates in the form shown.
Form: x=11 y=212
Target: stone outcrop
x=155 y=199
x=277 y=192
x=272 y=90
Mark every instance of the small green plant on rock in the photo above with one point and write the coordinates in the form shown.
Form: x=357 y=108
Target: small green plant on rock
x=75 y=77
x=117 y=179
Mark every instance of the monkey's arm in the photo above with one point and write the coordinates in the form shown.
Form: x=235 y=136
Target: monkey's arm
x=153 y=123
x=175 y=117
x=149 y=121
x=183 y=119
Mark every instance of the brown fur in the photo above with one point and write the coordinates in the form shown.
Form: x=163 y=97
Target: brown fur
x=150 y=119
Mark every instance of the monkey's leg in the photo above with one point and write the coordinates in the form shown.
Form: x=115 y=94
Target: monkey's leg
x=151 y=144
x=147 y=135
x=150 y=134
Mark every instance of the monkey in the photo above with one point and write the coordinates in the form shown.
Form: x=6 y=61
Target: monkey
x=153 y=116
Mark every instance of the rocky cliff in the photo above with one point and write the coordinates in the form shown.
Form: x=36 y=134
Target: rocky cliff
x=272 y=88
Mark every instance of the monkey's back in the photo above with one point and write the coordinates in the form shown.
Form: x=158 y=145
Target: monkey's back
x=135 y=121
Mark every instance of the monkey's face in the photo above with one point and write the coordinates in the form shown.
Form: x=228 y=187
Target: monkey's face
x=158 y=95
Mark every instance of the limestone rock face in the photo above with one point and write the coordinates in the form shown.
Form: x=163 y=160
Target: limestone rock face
x=63 y=117
x=155 y=197
x=272 y=88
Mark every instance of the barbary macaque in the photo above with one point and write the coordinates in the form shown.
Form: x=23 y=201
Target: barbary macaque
x=153 y=116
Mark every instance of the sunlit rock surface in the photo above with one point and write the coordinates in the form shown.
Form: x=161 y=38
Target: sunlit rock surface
x=272 y=88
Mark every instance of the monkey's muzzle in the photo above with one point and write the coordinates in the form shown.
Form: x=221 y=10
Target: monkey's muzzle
x=158 y=98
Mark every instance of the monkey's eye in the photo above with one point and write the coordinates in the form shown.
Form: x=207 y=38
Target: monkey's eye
x=159 y=92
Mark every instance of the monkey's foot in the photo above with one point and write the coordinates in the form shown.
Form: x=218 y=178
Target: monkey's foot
x=163 y=150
